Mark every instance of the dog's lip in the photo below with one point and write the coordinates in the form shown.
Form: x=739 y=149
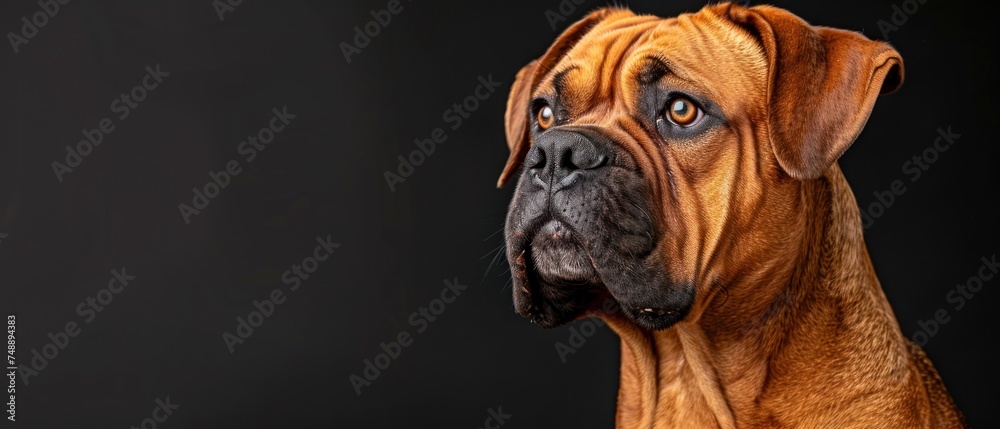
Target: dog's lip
x=530 y=301
x=556 y=229
x=533 y=302
x=560 y=256
x=657 y=311
x=524 y=274
x=519 y=239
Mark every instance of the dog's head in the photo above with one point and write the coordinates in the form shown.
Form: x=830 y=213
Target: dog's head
x=659 y=157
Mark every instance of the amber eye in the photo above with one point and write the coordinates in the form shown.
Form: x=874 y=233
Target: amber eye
x=545 y=117
x=683 y=112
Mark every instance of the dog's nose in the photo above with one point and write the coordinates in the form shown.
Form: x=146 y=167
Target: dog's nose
x=559 y=158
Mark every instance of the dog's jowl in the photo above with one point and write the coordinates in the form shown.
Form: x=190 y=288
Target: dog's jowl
x=684 y=169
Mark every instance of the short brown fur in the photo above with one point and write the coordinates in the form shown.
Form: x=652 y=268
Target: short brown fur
x=790 y=327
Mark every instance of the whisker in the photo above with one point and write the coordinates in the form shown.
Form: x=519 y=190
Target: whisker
x=495 y=250
x=495 y=233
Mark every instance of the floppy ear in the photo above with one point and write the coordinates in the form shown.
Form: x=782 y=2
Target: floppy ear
x=517 y=123
x=822 y=86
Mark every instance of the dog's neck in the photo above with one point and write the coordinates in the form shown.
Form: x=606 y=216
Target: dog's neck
x=726 y=368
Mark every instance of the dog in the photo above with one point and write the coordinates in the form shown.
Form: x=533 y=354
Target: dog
x=677 y=178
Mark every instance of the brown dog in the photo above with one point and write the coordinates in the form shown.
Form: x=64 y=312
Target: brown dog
x=684 y=171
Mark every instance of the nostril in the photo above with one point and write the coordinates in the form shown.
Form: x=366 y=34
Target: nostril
x=567 y=161
x=535 y=158
x=584 y=157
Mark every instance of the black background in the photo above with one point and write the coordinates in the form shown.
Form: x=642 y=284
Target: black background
x=323 y=175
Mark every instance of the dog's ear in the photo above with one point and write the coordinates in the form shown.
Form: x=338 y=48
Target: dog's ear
x=516 y=120
x=517 y=123
x=822 y=85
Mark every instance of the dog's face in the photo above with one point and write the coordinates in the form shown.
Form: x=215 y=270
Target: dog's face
x=659 y=157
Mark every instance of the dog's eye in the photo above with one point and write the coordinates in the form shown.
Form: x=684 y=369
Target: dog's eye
x=545 y=117
x=683 y=112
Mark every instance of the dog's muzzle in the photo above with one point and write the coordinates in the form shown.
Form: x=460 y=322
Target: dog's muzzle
x=578 y=233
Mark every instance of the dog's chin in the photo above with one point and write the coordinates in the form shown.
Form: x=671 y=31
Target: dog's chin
x=559 y=282
x=552 y=314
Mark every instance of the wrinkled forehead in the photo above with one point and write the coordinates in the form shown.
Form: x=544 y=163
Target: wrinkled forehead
x=699 y=52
